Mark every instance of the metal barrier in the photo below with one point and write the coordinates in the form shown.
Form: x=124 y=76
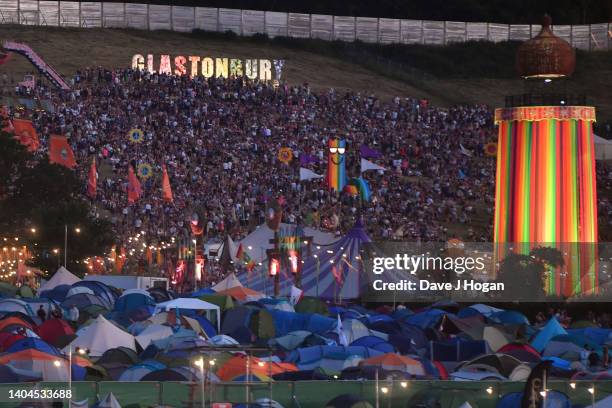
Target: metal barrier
x=294 y=25
x=307 y=394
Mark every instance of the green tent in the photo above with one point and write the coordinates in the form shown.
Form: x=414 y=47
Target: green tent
x=223 y=301
x=7 y=289
x=312 y=305
x=25 y=292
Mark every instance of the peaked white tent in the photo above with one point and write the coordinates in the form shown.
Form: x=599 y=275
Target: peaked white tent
x=102 y=335
x=230 y=281
x=109 y=402
x=61 y=277
x=603 y=148
x=192 y=304
x=256 y=243
x=153 y=332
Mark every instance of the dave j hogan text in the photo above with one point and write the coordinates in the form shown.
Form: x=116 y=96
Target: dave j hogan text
x=425 y=285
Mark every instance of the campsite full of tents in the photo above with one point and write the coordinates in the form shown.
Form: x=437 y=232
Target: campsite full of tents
x=232 y=334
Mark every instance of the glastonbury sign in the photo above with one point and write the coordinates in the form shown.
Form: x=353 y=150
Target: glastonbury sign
x=208 y=67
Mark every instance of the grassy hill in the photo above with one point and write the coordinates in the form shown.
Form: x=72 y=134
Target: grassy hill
x=460 y=73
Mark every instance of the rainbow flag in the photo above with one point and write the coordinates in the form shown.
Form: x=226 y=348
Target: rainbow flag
x=336 y=164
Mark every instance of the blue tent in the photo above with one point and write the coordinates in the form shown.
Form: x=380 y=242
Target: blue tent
x=546 y=334
x=132 y=301
x=32 y=343
x=286 y=322
x=426 y=319
x=317 y=277
x=554 y=399
x=328 y=357
x=457 y=349
x=508 y=317
x=58 y=293
x=100 y=290
x=595 y=335
x=375 y=343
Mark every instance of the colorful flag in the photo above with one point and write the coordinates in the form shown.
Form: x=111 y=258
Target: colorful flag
x=60 y=152
x=306 y=159
x=340 y=331
x=92 y=182
x=245 y=258
x=26 y=134
x=296 y=295
x=306 y=174
x=368 y=165
x=368 y=152
x=134 y=189
x=337 y=275
x=167 y=189
x=149 y=256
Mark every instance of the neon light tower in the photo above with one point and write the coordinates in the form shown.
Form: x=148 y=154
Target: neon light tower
x=545 y=186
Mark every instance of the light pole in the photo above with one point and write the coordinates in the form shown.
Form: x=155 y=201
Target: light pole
x=78 y=231
x=200 y=363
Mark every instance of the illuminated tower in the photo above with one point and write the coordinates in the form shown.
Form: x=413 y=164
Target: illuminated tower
x=545 y=187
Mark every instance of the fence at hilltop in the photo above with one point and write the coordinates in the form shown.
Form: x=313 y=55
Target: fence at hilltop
x=294 y=25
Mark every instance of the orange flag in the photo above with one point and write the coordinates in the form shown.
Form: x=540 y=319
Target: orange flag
x=160 y=257
x=149 y=256
x=92 y=182
x=134 y=189
x=60 y=152
x=26 y=134
x=120 y=260
x=167 y=189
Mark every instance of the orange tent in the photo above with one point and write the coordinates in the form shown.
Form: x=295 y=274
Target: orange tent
x=395 y=362
x=28 y=354
x=242 y=293
x=14 y=320
x=236 y=367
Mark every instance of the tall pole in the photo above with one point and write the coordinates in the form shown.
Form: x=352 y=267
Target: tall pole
x=377 y=390
x=70 y=368
x=277 y=276
x=65 y=245
x=203 y=398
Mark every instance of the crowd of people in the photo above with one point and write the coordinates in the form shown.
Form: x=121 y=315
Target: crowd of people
x=219 y=139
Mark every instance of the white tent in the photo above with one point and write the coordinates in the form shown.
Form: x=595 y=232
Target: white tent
x=153 y=332
x=603 y=148
x=230 y=281
x=256 y=243
x=192 y=304
x=102 y=335
x=109 y=402
x=61 y=277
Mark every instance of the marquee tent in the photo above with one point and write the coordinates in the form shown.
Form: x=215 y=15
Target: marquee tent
x=334 y=270
x=256 y=243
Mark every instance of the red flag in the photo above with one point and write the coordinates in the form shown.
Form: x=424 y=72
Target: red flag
x=26 y=134
x=168 y=197
x=134 y=189
x=337 y=274
x=60 y=152
x=149 y=256
x=92 y=182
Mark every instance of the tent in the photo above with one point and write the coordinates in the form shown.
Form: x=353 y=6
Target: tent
x=212 y=311
x=56 y=332
x=16 y=305
x=256 y=243
x=546 y=334
x=102 y=335
x=153 y=332
x=241 y=293
x=109 y=401
x=223 y=301
x=229 y=282
x=131 y=301
x=237 y=365
x=603 y=148
x=395 y=362
x=52 y=367
x=342 y=256
x=61 y=277
x=348 y=401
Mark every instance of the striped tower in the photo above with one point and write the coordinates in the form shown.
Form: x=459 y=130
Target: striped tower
x=545 y=190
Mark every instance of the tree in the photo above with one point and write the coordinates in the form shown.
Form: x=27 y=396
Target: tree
x=37 y=201
x=524 y=275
